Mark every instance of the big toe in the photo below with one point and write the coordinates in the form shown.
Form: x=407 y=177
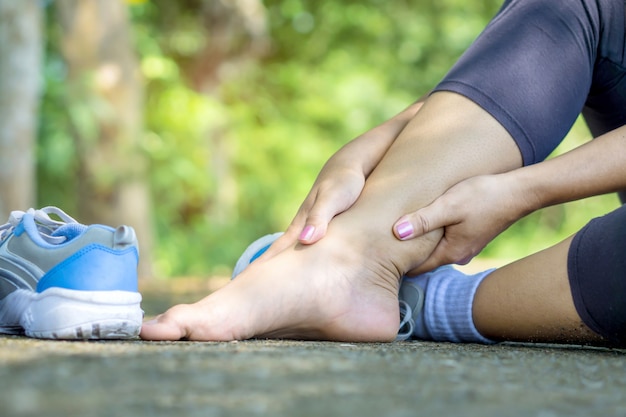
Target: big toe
x=167 y=326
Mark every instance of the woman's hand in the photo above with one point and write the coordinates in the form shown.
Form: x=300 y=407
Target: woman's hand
x=476 y=210
x=472 y=213
x=335 y=191
x=337 y=187
x=341 y=181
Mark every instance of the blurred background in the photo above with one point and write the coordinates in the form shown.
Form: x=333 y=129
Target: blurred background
x=203 y=123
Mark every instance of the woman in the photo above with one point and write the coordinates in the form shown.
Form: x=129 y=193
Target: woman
x=474 y=149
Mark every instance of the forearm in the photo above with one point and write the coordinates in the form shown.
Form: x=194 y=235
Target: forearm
x=366 y=151
x=597 y=167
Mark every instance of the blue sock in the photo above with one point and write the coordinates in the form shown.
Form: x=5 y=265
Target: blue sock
x=447 y=313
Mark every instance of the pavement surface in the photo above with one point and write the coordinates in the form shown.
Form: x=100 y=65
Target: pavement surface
x=293 y=378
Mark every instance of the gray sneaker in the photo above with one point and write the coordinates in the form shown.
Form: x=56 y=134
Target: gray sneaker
x=65 y=280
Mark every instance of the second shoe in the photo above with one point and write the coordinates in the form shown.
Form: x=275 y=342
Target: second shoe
x=60 y=279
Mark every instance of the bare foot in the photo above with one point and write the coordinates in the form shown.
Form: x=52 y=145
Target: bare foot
x=341 y=294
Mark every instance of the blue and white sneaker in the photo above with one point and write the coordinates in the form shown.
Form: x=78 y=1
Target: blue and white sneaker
x=254 y=251
x=66 y=280
x=410 y=297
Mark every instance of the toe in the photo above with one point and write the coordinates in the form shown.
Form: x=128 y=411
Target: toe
x=166 y=326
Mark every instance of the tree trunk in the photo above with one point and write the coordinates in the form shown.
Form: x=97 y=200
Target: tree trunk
x=237 y=37
x=105 y=102
x=20 y=74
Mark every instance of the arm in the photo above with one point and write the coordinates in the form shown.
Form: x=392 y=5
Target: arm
x=476 y=210
x=597 y=167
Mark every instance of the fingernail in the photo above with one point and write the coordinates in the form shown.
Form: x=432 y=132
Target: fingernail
x=307 y=233
x=404 y=229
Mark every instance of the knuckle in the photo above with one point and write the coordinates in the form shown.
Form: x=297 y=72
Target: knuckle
x=421 y=223
x=316 y=217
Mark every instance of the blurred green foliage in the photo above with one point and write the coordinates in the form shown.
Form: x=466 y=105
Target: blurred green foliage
x=257 y=140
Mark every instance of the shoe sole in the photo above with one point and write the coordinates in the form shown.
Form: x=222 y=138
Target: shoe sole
x=58 y=313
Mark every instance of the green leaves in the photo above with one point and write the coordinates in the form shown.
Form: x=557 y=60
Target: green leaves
x=235 y=133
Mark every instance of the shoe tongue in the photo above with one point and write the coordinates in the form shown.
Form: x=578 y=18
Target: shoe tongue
x=69 y=231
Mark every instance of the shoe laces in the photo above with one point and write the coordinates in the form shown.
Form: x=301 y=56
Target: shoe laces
x=46 y=226
x=406 y=321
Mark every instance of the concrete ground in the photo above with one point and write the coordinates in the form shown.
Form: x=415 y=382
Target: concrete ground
x=286 y=378
x=292 y=378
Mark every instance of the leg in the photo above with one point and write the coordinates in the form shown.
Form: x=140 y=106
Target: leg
x=531 y=300
x=345 y=287
x=581 y=280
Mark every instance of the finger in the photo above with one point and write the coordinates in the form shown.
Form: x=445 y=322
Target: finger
x=465 y=260
x=311 y=233
x=443 y=254
x=422 y=221
x=290 y=237
x=435 y=260
x=326 y=206
x=279 y=245
x=307 y=227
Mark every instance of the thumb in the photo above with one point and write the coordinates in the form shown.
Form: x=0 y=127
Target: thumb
x=421 y=222
x=318 y=218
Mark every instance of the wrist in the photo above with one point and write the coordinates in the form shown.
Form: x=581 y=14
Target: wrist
x=523 y=191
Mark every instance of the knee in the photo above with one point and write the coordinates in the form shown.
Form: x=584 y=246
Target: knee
x=597 y=274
